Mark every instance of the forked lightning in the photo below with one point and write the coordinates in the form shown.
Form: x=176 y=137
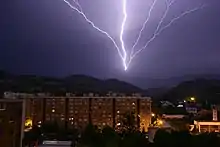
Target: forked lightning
x=122 y=51
x=80 y=11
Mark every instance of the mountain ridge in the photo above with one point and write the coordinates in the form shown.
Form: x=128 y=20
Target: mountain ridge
x=73 y=83
x=201 y=88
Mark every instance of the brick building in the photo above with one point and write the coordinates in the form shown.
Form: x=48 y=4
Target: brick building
x=11 y=122
x=79 y=110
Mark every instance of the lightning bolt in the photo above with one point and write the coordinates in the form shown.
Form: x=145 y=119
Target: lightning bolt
x=122 y=51
x=77 y=3
x=122 y=33
x=123 y=55
x=168 y=5
x=158 y=31
x=143 y=26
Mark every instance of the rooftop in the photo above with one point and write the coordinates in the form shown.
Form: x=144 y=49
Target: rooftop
x=72 y=95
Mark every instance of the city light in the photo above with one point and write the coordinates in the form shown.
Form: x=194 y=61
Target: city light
x=28 y=124
x=180 y=106
x=160 y=122
x=192 y=99
x=152 y=114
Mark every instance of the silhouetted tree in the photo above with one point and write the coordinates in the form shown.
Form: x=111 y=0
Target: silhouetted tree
x=50 y=127
x=91 y=137
x=181 y=138
x=32 y=136
x=163 y=138
x=110 y=137
x=134 y=139
x=128 y=123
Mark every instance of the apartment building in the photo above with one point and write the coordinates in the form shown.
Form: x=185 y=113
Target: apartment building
x=12 y=119
x=34 y=109
x=78 y=111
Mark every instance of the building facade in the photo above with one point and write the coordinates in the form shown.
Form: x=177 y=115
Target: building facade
x=207 y=126
x=77 y=111
x=11 y=122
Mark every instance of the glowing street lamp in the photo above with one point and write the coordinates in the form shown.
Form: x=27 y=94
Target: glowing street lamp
x=192 y=99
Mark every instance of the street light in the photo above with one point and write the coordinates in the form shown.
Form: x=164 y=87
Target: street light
x=152 y=114
x=192 y=99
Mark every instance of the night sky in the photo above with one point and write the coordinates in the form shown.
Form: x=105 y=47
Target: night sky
x=45 y=37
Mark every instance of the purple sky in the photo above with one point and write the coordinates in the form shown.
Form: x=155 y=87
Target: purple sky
x=45 y=37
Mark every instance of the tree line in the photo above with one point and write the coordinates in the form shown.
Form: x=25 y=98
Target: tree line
x=127 y=135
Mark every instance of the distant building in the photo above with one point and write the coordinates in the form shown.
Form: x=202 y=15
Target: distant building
x=173 y=116
x=78 y=111
x=208 y=126
x=167 y=104
x=12 y=118
x=191 y=108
